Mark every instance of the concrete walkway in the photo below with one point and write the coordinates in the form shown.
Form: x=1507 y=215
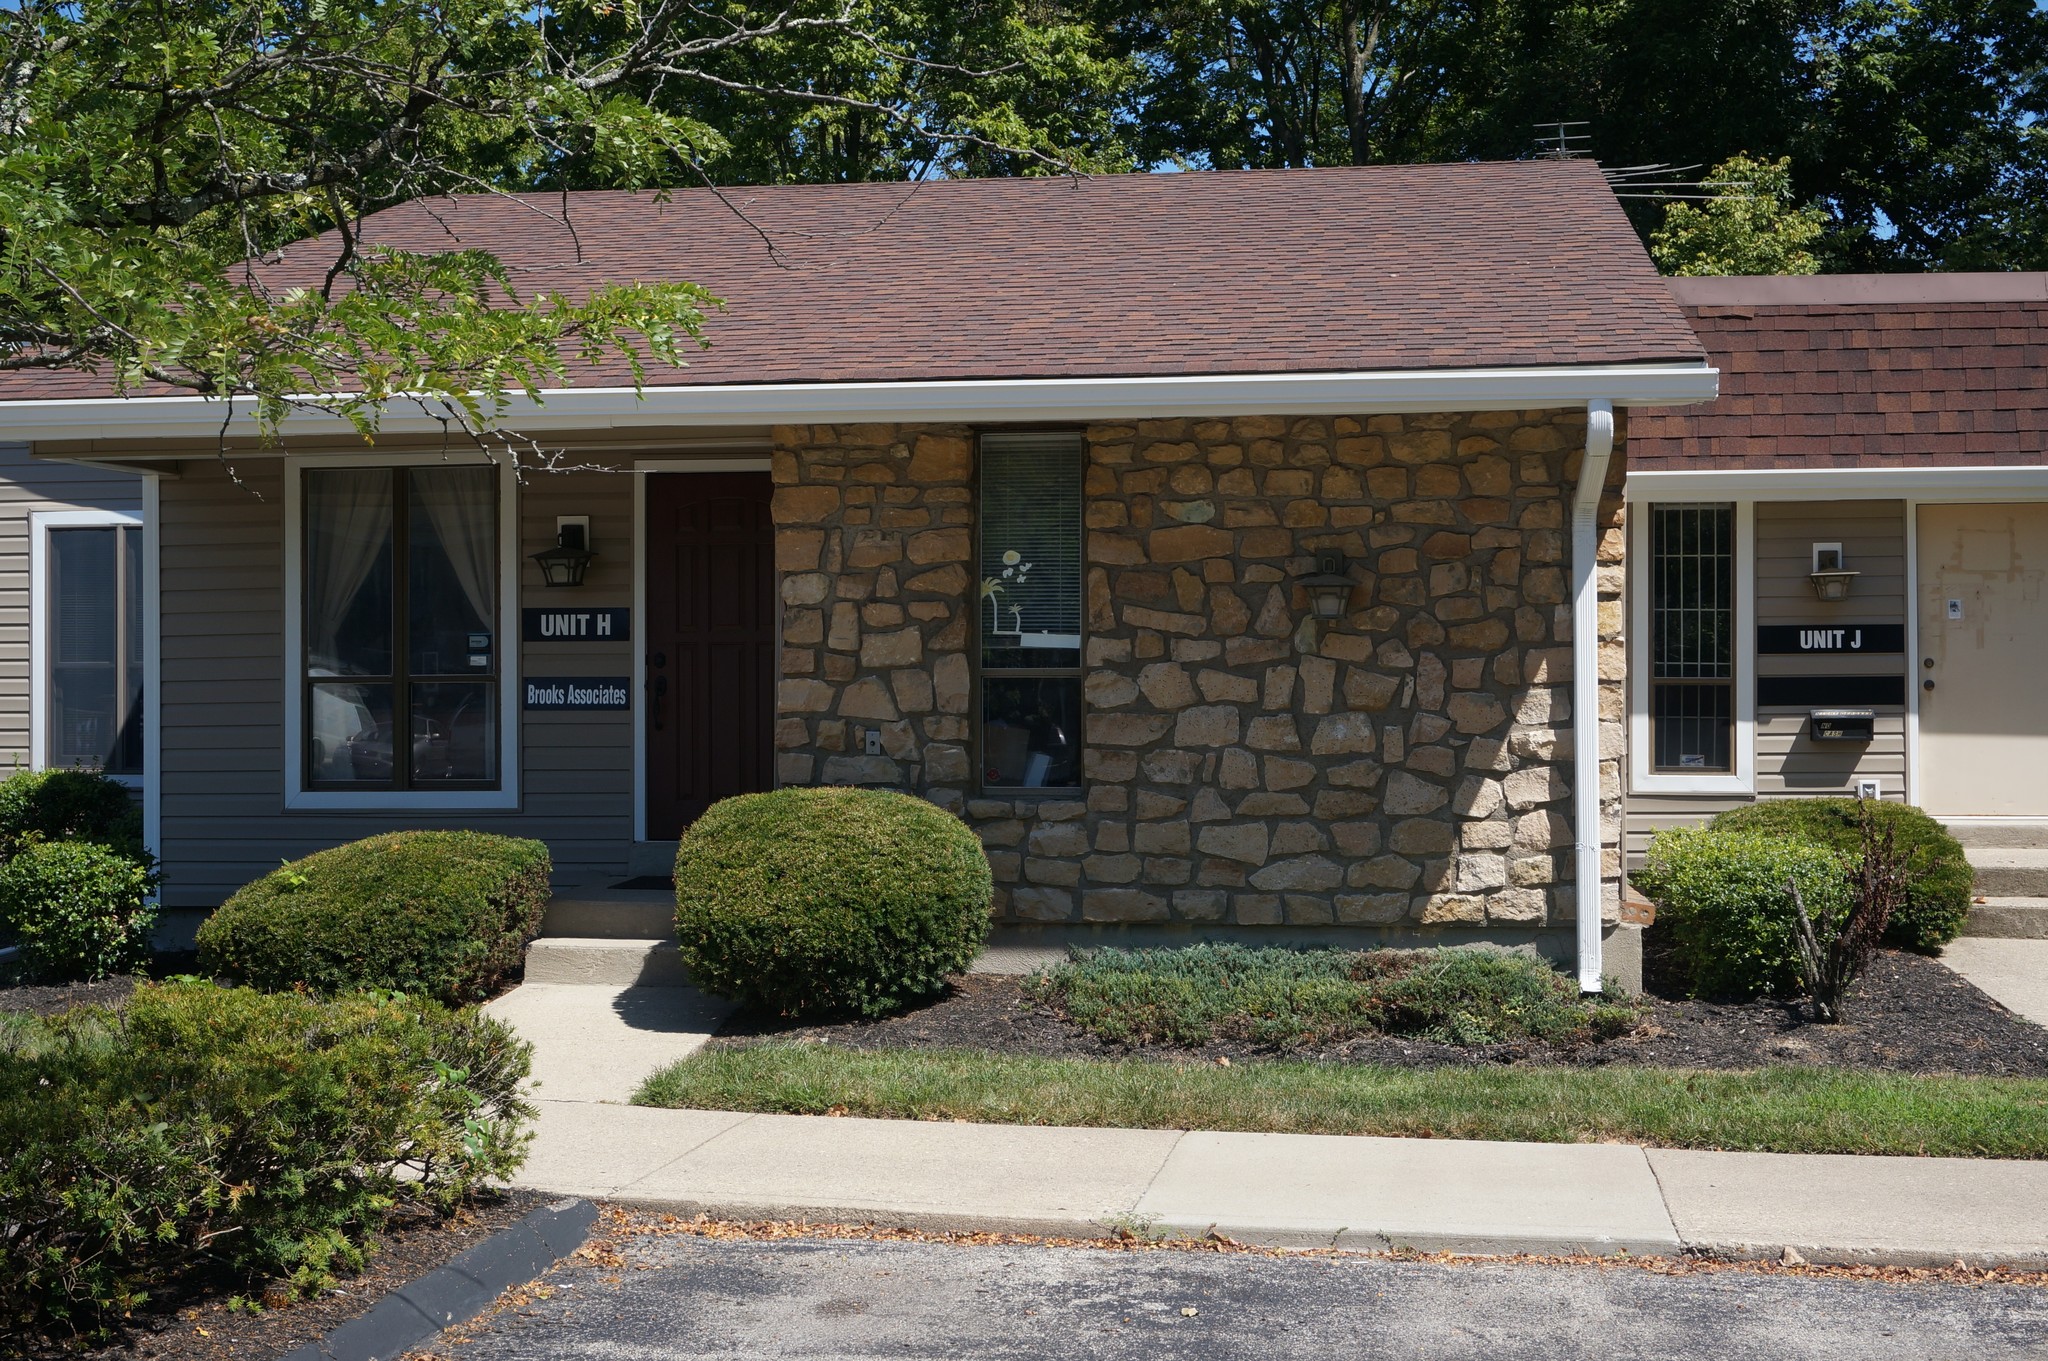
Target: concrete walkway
x=594 y=1045
x=1296 y=1190
x=2013 y=972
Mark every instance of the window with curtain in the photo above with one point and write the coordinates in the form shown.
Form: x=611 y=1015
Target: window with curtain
x=94 y=609
x=1029 y=611
x=1692 y=637
x=400 y=628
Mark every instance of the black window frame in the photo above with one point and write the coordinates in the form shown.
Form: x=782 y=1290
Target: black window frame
x=401 y=678
x=983 y=673
x=1693 y=641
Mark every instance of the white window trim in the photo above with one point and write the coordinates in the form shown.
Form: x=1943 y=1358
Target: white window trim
x=41 y=522
x=296 y=795
x=641 y=467
x=1642 y=779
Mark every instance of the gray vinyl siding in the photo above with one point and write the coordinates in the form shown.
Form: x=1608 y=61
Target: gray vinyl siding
x=26 y=486
x=224 y=673
x=1788 y=762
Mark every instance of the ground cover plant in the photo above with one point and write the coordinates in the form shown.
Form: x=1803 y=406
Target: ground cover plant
x=441 y=914
x=1938 y=874
x=1282 y=998
x=1782 y=1109
x=826 y=901
x=210 y=1128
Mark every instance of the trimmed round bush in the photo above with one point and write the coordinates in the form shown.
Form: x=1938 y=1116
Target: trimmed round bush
x=829 y=901
x=1940 y=879
x=1723 y=911
x=77 y=910
x=68 y=805
x=445 y=915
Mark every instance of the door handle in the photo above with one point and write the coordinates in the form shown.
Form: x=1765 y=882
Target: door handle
x=656 y=710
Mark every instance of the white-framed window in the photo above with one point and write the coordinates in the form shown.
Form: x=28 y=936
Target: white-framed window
x=1693 y=710
x=401 y=633
x=86 y=641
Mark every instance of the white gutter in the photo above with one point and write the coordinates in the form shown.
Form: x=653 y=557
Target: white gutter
x=1025 y=399
x=1586 y=686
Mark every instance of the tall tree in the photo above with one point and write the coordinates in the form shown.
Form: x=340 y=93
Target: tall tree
x=1921 y=126
x=1748 y=225
x=151 y=150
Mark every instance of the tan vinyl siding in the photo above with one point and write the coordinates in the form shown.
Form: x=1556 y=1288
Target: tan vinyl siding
x=224 y=673
x=28 y=485
x=1788 y=762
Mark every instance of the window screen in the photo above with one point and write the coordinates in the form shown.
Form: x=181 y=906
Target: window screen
x=94 y=606
x=1029 y=610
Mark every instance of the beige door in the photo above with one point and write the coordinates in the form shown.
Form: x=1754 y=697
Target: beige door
x=1984 y=647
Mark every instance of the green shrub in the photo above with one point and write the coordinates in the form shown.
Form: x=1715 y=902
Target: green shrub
x=443 y=914
x=204 y=1128
x=77 y=910
x=1940 y=880
x=823 y=901
x=1191 y=995
x=1723 y=909
x=68 y=805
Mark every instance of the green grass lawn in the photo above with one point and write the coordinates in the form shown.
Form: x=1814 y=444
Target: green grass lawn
x=1781 y=1110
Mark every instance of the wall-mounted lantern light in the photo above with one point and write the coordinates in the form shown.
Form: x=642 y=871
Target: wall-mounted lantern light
x=1830 y=580
x=1328 y=587
x=564 y=564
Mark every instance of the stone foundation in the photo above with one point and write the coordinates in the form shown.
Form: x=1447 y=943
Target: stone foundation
x=1405 y=765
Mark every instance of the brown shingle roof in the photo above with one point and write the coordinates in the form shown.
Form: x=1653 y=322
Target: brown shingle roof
x=1861 y=371
x=1305 y=271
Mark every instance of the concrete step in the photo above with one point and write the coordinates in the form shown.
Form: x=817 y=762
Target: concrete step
x=2000 y=833
x=610 y=963
x=2009 y=872
x=610 y=913
x=2008 y=918
x=651 y=857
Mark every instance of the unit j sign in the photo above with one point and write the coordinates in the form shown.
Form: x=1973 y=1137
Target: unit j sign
x=1779 y=639
x=576 y=626
x=577 y=692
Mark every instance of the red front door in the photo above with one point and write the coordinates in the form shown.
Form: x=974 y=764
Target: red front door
x=710 y=641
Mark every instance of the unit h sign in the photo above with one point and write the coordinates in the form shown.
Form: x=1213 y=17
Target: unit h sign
x=576 y=626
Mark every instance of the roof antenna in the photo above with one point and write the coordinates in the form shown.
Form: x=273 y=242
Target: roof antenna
x=1567 y=140
x=1564 y=140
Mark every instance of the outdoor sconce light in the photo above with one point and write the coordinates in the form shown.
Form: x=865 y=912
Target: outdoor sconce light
x=1328 y=587
x=1830 y=581
x=563 y=565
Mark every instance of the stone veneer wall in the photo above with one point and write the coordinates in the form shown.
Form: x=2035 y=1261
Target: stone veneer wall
x=1407 y=763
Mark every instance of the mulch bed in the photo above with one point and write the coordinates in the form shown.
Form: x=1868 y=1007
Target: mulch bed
x=1908 y=1014
x=48 y=1000
x=197 y=1325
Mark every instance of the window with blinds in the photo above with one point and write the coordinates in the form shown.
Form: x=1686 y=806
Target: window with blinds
x=1028 y=609
x=1692 y=637
x=94 y=606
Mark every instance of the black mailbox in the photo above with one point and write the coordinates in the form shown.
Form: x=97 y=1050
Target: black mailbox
x=1843 y=725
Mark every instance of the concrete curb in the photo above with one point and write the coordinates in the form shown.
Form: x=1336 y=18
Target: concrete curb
x=459 y=1291
x=1258 y=1235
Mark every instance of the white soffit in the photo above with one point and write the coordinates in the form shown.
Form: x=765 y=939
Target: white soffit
x=1025 y=399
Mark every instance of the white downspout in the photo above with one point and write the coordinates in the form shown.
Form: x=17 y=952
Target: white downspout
x=1586 y=686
